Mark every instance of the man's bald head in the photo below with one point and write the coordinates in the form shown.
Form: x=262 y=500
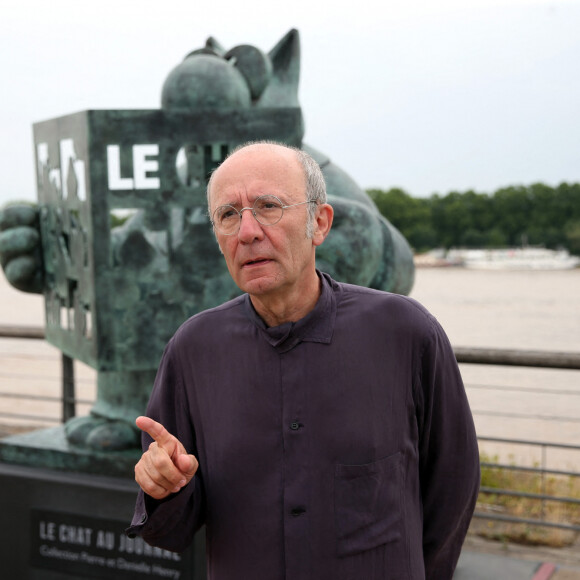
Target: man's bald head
x=315 y=186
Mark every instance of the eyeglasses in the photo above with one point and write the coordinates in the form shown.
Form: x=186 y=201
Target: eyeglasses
x=267 y=209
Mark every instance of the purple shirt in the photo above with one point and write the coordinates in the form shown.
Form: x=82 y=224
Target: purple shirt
x=338 y=447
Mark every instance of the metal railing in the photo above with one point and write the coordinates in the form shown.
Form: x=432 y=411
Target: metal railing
x=533 y=359
x=501 y=357
x=521 y=358
x=67 y=399
x=543 y=497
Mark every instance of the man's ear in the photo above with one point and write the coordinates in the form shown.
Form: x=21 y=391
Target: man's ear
x=322 y=223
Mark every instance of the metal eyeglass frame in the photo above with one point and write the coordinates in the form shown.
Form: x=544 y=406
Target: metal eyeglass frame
x=253 y=210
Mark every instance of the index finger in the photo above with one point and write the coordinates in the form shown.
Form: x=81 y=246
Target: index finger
x=156 y=430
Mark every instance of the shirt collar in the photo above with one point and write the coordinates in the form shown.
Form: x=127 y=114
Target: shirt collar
x=316 y=326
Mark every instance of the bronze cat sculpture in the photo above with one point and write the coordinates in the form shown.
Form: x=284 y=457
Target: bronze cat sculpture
x=363 y=247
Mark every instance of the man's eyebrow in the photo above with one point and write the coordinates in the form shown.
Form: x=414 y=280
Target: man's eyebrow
x=252 y=199
x=235 y=202
x=235 y=198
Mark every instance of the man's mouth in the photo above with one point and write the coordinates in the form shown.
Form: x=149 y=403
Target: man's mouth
x=256 y=262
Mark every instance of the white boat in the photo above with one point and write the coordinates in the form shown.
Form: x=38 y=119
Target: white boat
x=517 y=259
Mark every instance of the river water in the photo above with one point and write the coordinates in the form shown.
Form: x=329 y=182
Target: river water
x=504 y=309
x=515 y=310
x=527 y=310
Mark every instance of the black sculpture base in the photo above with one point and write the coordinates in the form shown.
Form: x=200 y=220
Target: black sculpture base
x=58 y=524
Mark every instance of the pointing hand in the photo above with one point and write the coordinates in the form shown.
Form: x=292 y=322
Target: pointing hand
x=166 y=466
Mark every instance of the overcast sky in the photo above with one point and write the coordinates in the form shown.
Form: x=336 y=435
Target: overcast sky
x=427 y=95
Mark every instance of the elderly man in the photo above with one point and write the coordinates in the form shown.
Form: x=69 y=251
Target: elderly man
x=320 y=430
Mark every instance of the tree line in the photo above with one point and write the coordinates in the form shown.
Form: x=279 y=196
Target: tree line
x=536 y=215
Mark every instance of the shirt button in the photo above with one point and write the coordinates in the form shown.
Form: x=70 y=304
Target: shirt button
x=297 y=511
x=294 y=426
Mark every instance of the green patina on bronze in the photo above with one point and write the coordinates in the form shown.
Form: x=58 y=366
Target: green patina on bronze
x=115 y=295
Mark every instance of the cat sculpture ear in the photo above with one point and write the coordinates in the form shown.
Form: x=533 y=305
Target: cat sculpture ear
x=282 y=90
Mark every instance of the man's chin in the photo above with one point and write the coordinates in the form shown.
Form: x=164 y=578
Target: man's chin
x=257 y=285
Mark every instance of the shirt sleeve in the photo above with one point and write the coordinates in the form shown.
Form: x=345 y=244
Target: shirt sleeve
x=172 y=522
x=448 y=455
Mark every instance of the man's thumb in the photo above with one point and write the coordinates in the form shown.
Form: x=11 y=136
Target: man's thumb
x=187 y=464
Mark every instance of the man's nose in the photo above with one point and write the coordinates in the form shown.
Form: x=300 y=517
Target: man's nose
x=250 y=227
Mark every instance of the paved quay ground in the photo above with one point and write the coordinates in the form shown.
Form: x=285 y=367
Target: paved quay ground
x=479 y=566
x=483 y=559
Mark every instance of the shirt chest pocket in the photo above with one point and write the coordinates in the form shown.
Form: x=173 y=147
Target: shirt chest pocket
x=367 y=504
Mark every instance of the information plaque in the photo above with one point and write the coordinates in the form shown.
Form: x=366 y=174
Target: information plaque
x=92 y=547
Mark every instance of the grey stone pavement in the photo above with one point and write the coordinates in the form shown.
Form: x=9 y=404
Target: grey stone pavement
x=475 y=566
